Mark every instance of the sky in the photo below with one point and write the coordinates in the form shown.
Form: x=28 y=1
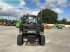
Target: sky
x=16 y=8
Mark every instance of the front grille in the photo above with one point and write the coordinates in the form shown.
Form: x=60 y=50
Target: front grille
x=29 y=27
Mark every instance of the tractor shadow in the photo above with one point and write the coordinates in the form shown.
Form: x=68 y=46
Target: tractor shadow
x=35 y=44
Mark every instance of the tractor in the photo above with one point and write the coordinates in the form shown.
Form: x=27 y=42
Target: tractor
x=31 y=30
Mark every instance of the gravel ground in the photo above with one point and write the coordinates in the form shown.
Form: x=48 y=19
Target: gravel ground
x=57 y=40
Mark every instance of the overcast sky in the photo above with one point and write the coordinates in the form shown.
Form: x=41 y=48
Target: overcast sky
x=18 y=7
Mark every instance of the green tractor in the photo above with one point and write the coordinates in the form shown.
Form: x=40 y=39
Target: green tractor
x=30 y=28
x=57 y=26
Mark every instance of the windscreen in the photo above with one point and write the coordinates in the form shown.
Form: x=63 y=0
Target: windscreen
x=31 y=19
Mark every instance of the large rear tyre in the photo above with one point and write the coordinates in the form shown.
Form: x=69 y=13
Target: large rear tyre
x=20 y=40
x=42 y=40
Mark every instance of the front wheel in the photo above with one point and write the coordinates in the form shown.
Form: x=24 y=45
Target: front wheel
x=42 y=40
x=20 y=40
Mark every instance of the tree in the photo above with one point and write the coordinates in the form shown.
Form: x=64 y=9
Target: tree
x=64 y=21
x=69 y=22
x=48 y=15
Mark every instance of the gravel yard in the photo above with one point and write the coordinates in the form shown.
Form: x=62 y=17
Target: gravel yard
x=57 y=40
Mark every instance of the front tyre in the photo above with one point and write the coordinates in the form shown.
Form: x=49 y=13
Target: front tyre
x=20 y=40
x=42 y=40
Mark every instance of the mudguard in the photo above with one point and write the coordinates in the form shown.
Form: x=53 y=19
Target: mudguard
x=18 y=24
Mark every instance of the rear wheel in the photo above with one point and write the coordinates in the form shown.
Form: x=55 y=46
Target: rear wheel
x=20 y=40
x=42 y=40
